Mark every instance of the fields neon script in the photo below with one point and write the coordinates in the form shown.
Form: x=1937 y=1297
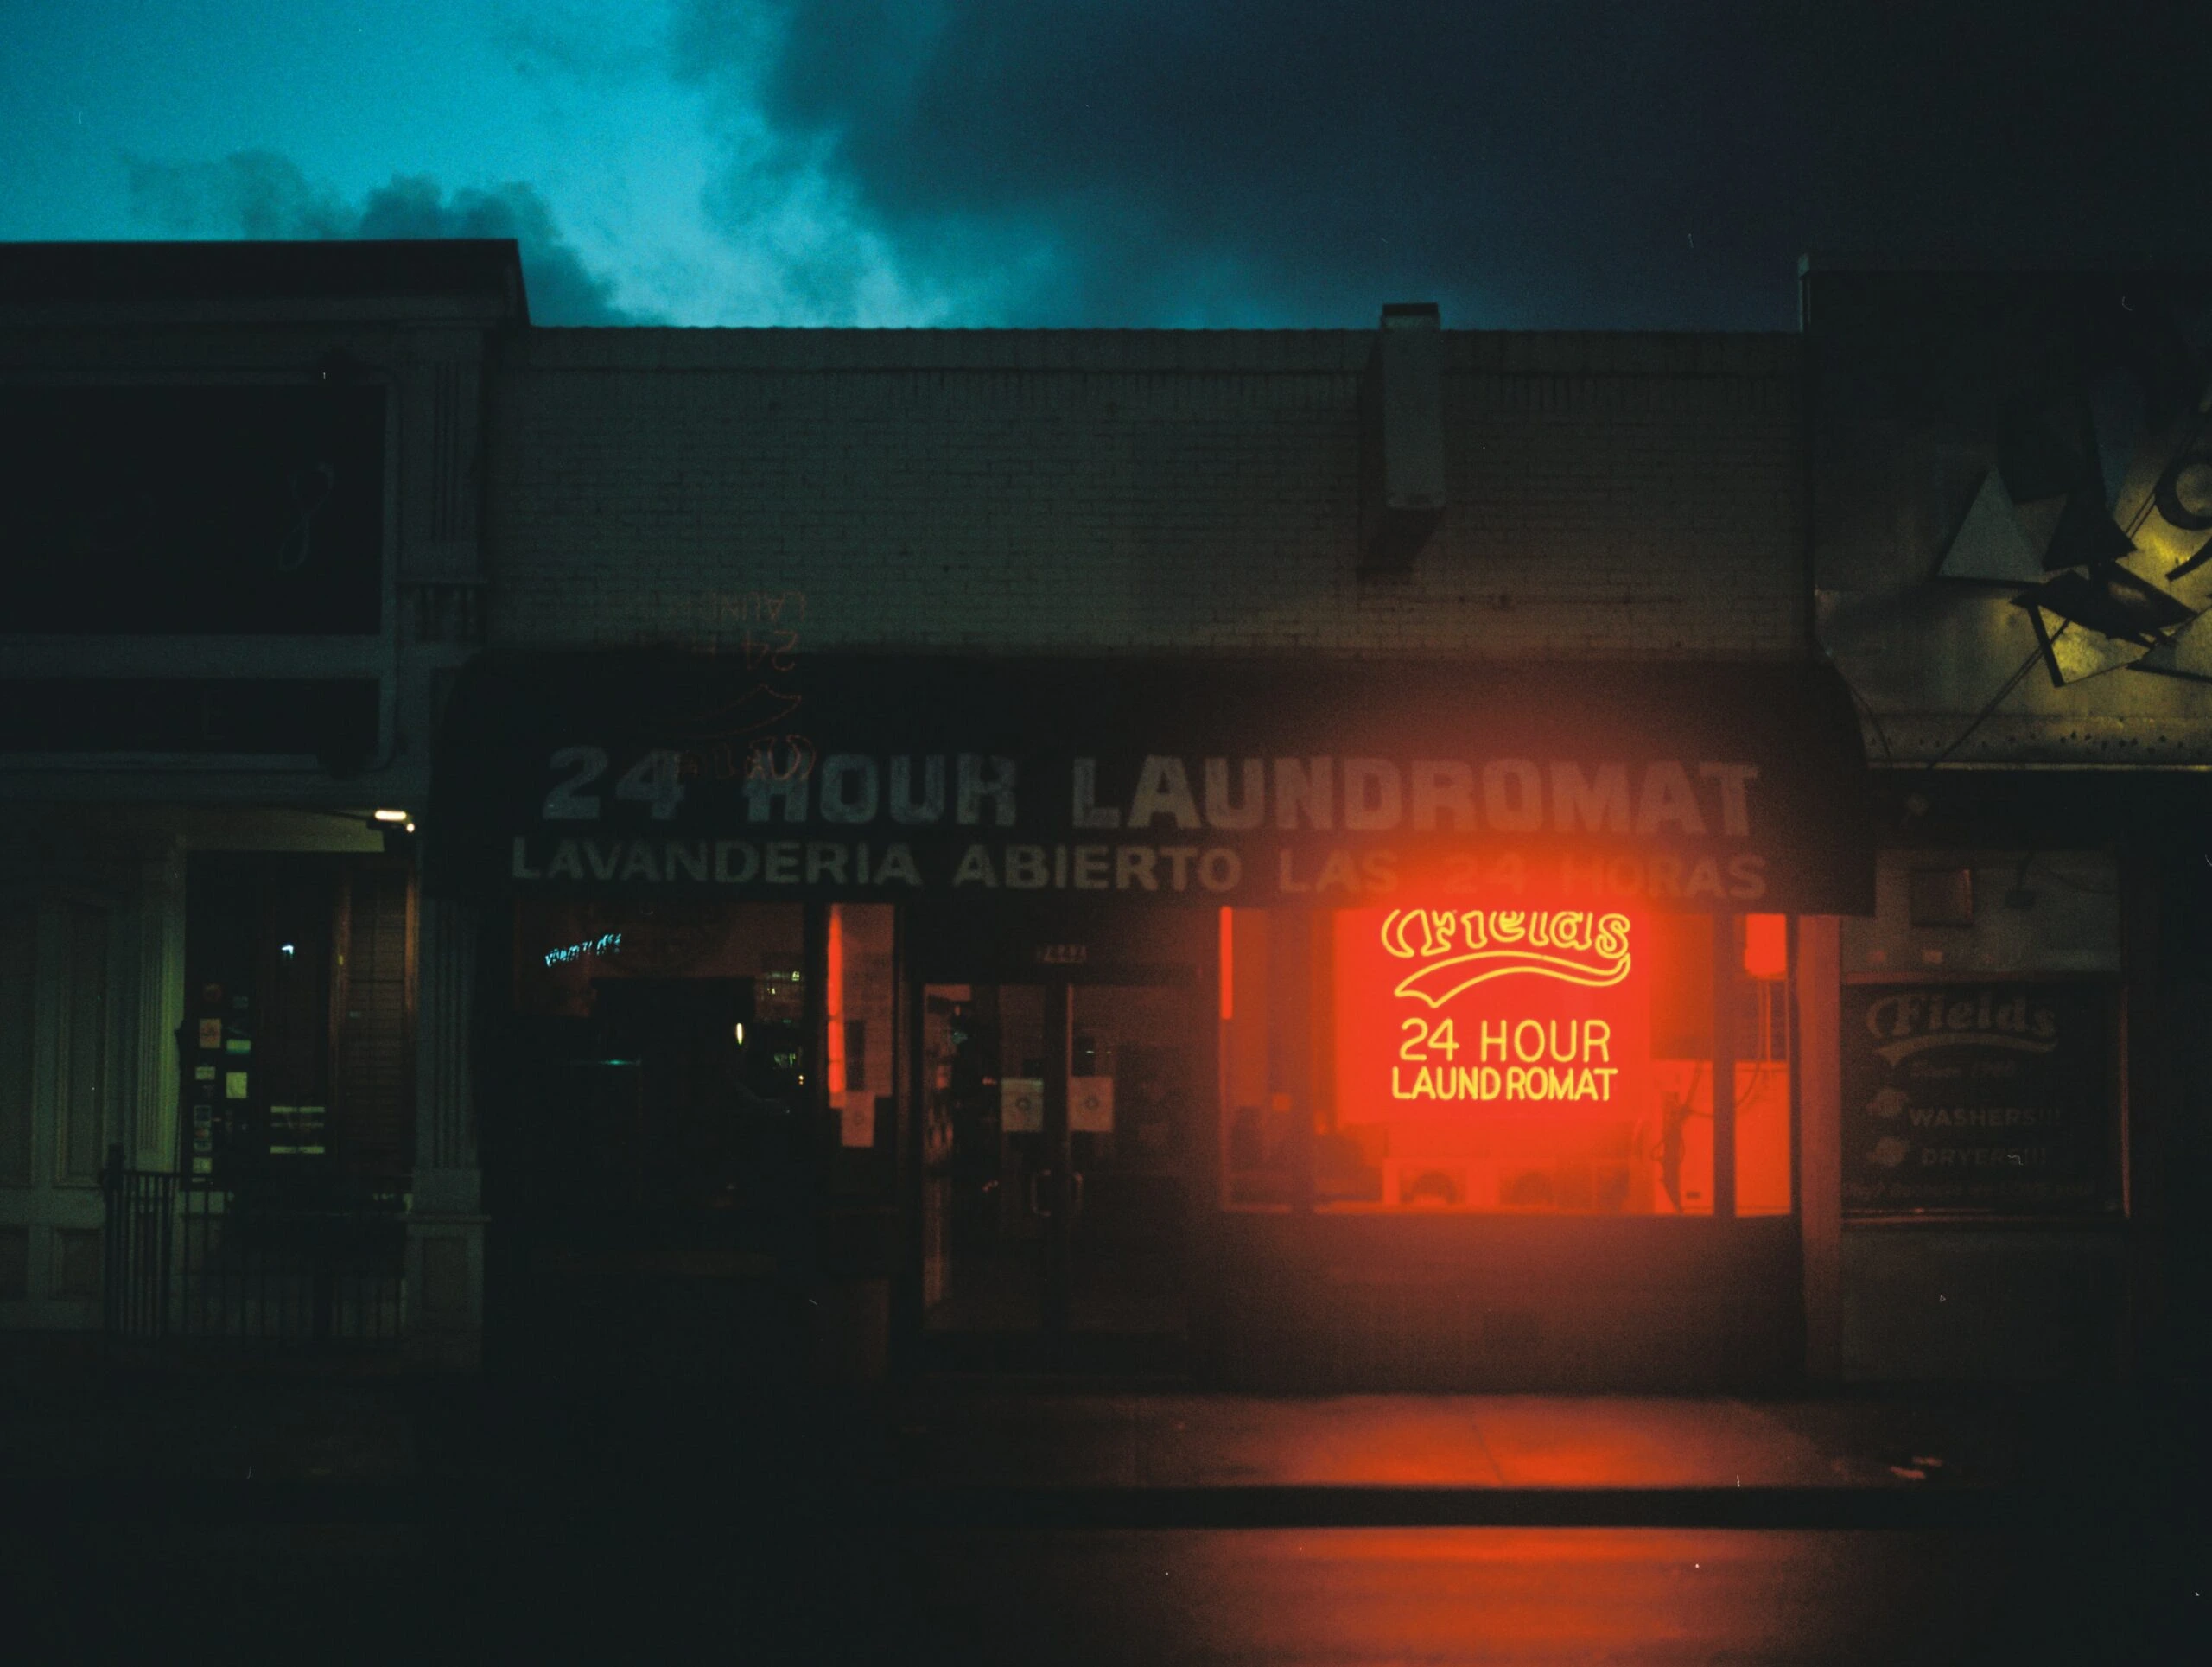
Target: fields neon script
x=1459 y=949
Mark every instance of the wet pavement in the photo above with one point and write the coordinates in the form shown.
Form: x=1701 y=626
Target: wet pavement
x=971 y=1434
x=1519 y=1594
x=74 y=1414
x=351 y=1517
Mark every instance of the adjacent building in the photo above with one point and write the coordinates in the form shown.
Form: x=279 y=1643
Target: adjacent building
x=244 y=531
x=2011 y=498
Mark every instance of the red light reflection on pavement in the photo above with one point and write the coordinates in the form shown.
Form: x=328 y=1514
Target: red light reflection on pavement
x=1346 y=1596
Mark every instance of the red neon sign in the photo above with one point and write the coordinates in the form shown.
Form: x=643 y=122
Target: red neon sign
x=1494 y=1058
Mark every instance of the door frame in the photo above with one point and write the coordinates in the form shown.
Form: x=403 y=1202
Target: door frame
x=1057 y=951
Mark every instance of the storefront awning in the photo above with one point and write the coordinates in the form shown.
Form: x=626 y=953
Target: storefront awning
x=1256 y=783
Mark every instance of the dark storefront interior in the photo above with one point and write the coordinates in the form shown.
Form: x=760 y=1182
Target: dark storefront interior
x=649 y=1144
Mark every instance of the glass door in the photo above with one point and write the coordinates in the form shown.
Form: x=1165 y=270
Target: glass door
x=1056 y=1126
x=1138 y=1084
x=985 y=1164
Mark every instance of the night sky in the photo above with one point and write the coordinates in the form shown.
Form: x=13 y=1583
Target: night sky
x=1527 y=163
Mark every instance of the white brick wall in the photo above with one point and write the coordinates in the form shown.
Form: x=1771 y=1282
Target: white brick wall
x=1090 y=491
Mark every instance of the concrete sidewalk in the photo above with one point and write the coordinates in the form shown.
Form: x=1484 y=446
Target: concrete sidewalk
x=976 y=1455
x=69 y=1415
x=70 y=1412
x=966 y=1435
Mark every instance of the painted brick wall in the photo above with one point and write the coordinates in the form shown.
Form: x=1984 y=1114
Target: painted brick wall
x=1610 y=496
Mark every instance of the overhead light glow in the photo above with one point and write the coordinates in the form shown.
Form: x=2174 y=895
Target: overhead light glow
x=391 y=816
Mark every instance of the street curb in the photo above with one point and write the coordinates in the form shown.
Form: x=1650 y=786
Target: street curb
x=1358 y=1506
x=1002 y=1508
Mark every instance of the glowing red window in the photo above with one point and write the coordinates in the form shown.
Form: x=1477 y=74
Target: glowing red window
x=1493 y=1058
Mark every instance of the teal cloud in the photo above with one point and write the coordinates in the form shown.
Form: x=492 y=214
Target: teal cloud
x=261 y=195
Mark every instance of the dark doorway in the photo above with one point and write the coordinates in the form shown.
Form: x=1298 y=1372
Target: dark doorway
x=1061 y=1121
x=299 y=1015
x=665 y=1195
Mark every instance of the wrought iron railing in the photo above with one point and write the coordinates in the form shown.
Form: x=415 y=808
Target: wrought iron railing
x=268 y=1259
x=137 y=1265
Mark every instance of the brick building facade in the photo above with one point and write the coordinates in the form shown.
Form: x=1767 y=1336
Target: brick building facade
x=1107 y=491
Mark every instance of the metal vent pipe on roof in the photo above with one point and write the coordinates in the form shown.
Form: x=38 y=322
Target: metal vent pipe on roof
x=1401 y=438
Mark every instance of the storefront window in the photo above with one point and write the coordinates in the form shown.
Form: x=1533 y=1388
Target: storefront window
x=1504 y=1060
x=565 y=948
x=660 y=1052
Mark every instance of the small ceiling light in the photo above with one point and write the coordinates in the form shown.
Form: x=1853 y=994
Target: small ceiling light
x=287 y=951
x=411 y=826
x=391 y=816
x=739 y=1028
